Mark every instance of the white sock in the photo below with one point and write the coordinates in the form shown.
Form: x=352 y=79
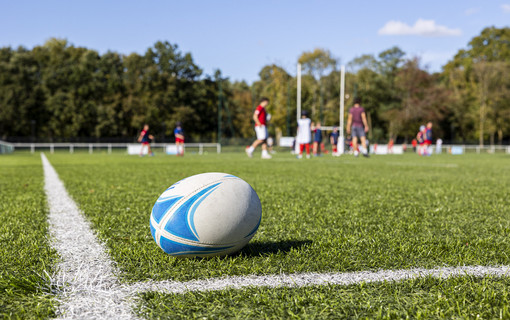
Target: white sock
x=250 y=149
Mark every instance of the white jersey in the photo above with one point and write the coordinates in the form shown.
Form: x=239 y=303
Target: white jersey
x=304 y=134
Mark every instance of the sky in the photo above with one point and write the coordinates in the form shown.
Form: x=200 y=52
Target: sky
x=241 y=37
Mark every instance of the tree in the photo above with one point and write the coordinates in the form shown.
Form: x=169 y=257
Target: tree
x=478 y=77
x=316 y=63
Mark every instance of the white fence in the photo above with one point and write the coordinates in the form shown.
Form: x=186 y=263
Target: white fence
x=474 y=148
x=201 y=147
x=109 y=146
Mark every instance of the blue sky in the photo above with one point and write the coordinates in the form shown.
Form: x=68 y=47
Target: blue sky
x=240 y=37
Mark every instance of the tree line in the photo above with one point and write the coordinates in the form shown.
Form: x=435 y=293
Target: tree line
x=60 y=92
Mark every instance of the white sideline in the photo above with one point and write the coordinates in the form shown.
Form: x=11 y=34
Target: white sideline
x=89 y=289
x=310 y=279
x=85 y=275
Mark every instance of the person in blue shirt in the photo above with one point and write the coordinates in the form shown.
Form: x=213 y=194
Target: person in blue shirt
x=428 y=138
x=179 y=139
x=333 y=139
x=317 y=139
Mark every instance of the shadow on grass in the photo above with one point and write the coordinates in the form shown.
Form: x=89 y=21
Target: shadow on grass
x=256 y=249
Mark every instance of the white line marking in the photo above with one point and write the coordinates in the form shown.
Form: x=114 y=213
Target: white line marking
x=89 y=288
x=309 y=279
x=85 y=274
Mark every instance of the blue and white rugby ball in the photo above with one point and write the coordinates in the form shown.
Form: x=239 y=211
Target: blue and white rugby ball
x=209 y=214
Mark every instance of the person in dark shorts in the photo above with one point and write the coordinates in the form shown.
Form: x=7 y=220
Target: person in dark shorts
x=420 y=137
x=428 y=138
x=357 y=126
x=317 y=139
x=333 y=139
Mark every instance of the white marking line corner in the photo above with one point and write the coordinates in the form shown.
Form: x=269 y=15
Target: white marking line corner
x=86 y=274
x=89 y=288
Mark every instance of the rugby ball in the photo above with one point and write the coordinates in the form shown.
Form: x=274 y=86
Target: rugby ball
x=209 y=214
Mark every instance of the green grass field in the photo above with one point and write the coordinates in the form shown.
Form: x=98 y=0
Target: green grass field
x=322 y=215
x=26 y=260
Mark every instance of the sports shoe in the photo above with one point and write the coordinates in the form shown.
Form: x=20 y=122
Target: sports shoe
x=308 y=156
x=366 y=155
x=250 y=154
x=299 y=156
x=266 y=156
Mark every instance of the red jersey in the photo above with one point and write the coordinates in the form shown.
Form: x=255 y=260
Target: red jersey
x=261 y=115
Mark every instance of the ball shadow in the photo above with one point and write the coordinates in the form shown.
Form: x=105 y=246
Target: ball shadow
x=257 y=249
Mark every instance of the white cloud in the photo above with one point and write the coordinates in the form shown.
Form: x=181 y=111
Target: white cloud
x=421 y=27
x=506 y=7
x=471 y=11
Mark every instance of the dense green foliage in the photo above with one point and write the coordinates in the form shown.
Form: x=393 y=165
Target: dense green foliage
x=26 y=260
x=59 y=91
x=325 y=214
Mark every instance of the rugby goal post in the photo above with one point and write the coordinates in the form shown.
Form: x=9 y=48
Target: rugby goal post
x=341 y=139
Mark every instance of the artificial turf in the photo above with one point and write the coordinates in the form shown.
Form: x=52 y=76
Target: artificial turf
x=26 y=258
x=323 y=215
x=427 y=298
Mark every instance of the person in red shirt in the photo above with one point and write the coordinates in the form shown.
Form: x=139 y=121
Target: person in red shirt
x=260 y=116
x=390 y=146
x=414 y=143
x=145 y=138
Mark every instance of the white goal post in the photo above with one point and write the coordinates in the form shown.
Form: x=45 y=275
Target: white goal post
x=341 y=130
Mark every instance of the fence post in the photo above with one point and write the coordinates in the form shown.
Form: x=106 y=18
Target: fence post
x=218 y=148
x=109 y=148
x=32 y=148
x=71 y=148
x=51 y=148
x=200 y=149
x=90 y=148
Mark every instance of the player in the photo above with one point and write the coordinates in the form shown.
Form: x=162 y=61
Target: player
x=439 y=143
x=358 y=120
x=304 y=135
x=270 y=145
x=333 y=139
x=260 y=118
x=420 y=138
x=414 y=143
x=145 y=138
x=348 y=144
x=428 y=138
x=317 y=139
x=179 y=139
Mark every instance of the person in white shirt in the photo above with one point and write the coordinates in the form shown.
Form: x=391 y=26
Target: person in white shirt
x=304 y=135
x=439 y=143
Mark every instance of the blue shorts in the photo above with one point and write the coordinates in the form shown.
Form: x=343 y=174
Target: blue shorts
x=358 y=131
